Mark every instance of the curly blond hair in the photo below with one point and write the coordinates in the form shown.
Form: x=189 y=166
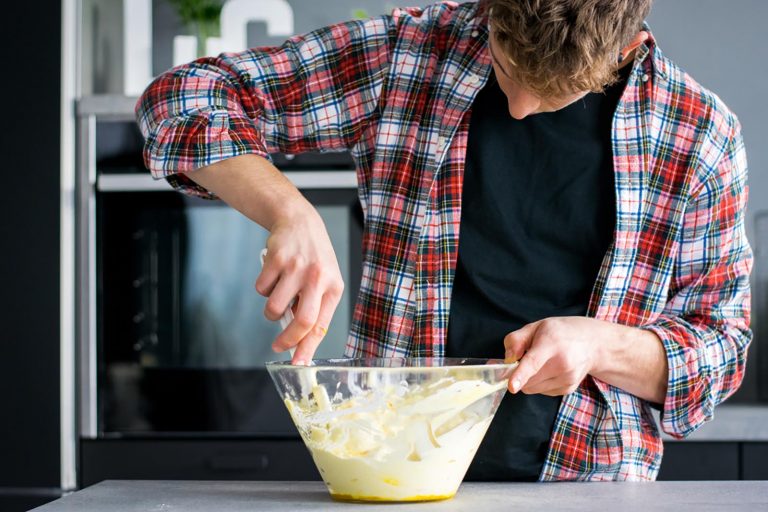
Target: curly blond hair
x=559 y=47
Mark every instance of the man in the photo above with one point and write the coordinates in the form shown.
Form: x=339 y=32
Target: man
x=593 y=229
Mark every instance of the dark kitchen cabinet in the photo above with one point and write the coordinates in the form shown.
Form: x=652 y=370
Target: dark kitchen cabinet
x=195 y=459
x=29 y=227
x=754 y=456
x=717 y=460
x=288 y=459
x=695 y=460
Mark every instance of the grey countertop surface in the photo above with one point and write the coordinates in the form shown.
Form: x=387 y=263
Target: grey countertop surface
x=177 y=496
x=733 y=423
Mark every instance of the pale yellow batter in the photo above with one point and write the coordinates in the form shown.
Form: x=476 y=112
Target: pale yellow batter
x=401 y=443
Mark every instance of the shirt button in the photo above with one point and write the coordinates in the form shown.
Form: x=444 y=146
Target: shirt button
x=441 y=142
x=645 y=77
x=475 y=33
x=473 y=79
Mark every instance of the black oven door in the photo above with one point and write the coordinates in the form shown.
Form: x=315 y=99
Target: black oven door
x=182 y=339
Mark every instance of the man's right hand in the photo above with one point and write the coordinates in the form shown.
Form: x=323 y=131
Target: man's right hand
x=300 y=263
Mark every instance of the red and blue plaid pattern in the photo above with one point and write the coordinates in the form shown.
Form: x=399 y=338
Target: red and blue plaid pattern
x=396 y=92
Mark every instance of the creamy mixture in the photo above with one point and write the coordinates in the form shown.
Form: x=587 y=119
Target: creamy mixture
x=398 y=443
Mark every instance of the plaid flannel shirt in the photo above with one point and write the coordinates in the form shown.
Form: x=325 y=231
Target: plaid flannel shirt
x=396 y=91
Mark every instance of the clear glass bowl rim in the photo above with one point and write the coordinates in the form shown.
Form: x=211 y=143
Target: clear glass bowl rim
x=410 y=364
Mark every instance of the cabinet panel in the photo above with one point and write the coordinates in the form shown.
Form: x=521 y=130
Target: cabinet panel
x=692 y=460
x=237 y=459
x=22 y=503
x=754 y=457
x=29 y=225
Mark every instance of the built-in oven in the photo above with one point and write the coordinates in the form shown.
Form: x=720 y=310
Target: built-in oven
x=760 y=308
x=171 y=331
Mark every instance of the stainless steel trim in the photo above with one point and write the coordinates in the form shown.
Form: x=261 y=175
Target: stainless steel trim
x=67 y=361
x=86 y=274
x=322 y=179
x=112 y=106
x=310 y=179
x=131 y=183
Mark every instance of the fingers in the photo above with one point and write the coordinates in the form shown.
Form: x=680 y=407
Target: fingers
x=267 y=279
x=555 y=386
x=304 y=319
x=317 y=296
x=286 y=289
x=516 y=343
x=300 y=271
x=529 y=366
x=543 y=370
x=306 y=348
x=553 y=360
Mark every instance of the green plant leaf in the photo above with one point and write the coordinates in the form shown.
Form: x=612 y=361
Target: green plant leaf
x=196 y=11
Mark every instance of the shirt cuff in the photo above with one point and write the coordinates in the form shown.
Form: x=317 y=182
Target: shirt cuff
x=191 y=142
x=687 y=404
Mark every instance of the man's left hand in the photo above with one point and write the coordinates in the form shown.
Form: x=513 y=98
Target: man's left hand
x=557 y=353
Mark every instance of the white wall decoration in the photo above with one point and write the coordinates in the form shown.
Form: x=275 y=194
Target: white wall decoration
x=235 y=16
x=137 y=45
x=184 y=49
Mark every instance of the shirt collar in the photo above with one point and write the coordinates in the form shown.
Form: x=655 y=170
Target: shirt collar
x=648 y=58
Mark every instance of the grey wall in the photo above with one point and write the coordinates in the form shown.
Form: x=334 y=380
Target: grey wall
x=308 y=15
x=722 y=45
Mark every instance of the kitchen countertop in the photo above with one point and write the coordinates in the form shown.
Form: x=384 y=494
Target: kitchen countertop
x=733 y=422
x=222 y=496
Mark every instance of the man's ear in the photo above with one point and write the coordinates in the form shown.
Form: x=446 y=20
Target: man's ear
x=639 y=39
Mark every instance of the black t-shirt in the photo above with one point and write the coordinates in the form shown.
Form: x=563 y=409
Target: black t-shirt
x=538 y=213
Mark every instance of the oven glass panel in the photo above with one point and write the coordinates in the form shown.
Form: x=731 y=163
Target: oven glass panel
x=182 y=335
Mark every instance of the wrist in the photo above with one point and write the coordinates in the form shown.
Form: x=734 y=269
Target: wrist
x=632 y=359
x=296 y=211
x=602 y=348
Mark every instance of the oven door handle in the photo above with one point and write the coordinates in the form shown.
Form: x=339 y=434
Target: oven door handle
x=310 y=179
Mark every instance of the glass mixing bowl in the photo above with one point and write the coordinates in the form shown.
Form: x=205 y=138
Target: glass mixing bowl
x=392 y=429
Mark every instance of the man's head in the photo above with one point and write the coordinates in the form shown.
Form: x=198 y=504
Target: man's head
x=549 y=53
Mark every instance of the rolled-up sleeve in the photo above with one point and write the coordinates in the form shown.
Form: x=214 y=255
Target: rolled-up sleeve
x=316 y=92
x=705 y=325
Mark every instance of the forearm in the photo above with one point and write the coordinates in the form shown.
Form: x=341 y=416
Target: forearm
x=254 y=187
x=634 y=360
